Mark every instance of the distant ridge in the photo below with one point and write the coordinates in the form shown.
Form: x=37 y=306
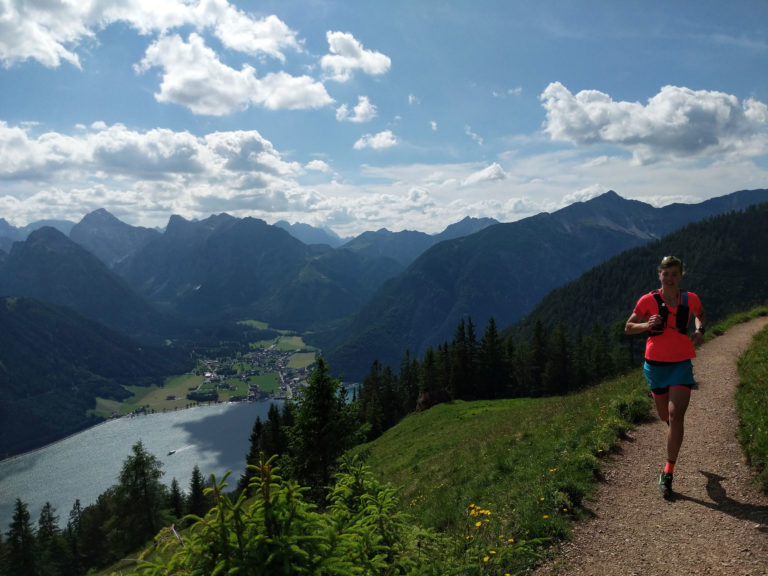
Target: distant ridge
x=503 y=271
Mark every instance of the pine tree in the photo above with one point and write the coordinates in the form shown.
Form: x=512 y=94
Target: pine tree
x=252 y=458
x=429 y=374
x=555 y=379
x=274 y=437
x=21 y=545
x=408 y=383
x=141 y=498
x=197 y=503
x=72 y=536
x=176 y=500
x=53 y=551
x=321 y=432
x=493 y=370
x=370 y=403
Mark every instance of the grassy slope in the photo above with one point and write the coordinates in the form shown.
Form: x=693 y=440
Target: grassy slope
x=509 y=471
x=752 y=405
x=530 y=462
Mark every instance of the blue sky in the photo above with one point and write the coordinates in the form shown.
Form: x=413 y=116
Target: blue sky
x=359 y=115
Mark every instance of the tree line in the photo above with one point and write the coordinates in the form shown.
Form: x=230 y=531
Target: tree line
x=310 y=434
x=124 y=518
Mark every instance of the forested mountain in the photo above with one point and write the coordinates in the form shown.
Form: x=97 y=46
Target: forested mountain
x=10 y=234
x=53 y=365
x=726 y=264
x=406 y=246
x=503 y=271
x=50 y=267
x=225 y=268
x=108 y=238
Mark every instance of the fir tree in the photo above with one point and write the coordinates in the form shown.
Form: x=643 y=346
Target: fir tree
x=140 y=497
x=21 y=556
x=176 y=500
x=197 y=503
x=321 y=432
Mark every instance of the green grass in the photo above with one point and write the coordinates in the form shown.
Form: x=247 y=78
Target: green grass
x=268 y=383
x=530 y=462
x=752 y=405
x=301 y=360
x=506 y=474
x=156 y=397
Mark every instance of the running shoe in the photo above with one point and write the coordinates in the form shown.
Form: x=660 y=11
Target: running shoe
x=665 y=483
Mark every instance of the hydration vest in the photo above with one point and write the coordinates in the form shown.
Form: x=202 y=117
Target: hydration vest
x=682 y=316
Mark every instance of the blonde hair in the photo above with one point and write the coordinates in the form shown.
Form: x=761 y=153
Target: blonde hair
x=671 y=262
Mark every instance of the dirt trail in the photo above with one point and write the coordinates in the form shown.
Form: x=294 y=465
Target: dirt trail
x=717 y=521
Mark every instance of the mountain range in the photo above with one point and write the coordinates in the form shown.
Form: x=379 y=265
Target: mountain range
x=502 y=272
x=370 y=298
x=54 y=364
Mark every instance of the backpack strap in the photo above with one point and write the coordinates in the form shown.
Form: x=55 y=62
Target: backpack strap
x=683 y=313
x=682 y=316
x=663 y=312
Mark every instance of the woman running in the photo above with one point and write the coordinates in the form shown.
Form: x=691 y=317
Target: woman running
x=665 y=313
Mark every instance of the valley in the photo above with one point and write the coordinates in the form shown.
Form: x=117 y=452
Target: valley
x=271 y=369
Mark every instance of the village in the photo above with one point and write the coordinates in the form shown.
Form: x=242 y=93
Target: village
x=263 y=373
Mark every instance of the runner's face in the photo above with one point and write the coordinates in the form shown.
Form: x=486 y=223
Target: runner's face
x=670 y=277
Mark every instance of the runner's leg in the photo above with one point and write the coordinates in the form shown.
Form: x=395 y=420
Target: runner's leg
x=679 y=397
x=662 y=404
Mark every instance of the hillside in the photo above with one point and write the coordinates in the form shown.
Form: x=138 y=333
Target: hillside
x=533 y=464
x=50 y=267
x=725 y=264
x=715 y=498
x=109 y=239
x=53 y=365
x=503 y=272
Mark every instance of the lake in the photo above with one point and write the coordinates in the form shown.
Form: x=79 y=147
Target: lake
x=84 y=465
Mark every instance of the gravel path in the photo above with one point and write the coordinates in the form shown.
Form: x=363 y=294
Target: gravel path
x=716 y=523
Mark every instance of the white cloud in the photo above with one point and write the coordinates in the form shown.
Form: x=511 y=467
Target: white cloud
x=385 y=139
x=52 y=33
x=348 y=55
x=505 y=93
x=363 y=112
x=281 y=91
x=194 y=77
x=475 y=137
x=107 y=165
x=433 y=125
x=318 y=166
x=27 y=32
x=270 y=35
x=678 y=122
x=413 y=99
x=487 y=174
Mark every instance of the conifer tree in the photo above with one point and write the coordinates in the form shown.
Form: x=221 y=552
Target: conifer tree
x=176 y=500
x=429 y=375
x=408 y=383
x=197 y=503
x=555 y=379
x=321 y=431
x=254 y=450
x=52 y=549
x=493 y=370
x=273 y=440
x=140 y=498
x=21 y=545
x=72 y=536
